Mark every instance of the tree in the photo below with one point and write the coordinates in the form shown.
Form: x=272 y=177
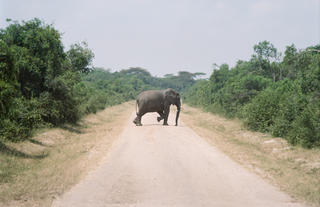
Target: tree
x=278 y=97
x=8 y=78
x=170 y=75
x=38 y=53
x=265 y=55
x=288 y=66
x=220 y=76
x=265 y=50
x=80 y=57
x=136 y=71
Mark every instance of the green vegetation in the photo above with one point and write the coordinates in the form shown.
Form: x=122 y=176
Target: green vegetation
x=43 y=85
x=281 y=97
x=38 y=79
x=101 y=87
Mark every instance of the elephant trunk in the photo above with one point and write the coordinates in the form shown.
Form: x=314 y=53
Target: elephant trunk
x=178 y=113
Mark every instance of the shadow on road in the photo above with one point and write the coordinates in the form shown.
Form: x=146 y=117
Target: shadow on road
x=148 y=125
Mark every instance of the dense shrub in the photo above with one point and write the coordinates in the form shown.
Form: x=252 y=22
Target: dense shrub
x=41 y=84
x=275 y=108
x=238 y=92
x=23 y=116
x=198 y=94
x=306 y=127
x=279 y=97
x=37 y=78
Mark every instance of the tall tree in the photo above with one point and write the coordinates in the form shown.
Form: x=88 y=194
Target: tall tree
x=265 y=57
x=38 y=51
x=80 y=57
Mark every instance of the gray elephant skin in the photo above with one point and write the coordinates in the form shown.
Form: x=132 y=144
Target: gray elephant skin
x=157 y=101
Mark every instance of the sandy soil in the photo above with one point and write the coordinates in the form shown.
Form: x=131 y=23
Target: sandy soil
x=157 y=165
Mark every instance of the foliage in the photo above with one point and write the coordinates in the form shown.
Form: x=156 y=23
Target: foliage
x=279 y=97
x=181 y=82
x=23 y=116
x=275 y=108
x=306 y=127
x=38 y=78
x=41 y=84
x=38 y=54
x=80 y=57
x=8 y=79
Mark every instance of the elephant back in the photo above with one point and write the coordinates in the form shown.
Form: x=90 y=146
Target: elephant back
x=151 y=100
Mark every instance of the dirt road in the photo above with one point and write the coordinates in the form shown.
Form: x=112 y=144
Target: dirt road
x=157 y=165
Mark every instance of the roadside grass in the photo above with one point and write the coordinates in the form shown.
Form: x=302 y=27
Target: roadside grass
x=35 y=172
x=293 y=169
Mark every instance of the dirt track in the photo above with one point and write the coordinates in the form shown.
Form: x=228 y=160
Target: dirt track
x=157 y=165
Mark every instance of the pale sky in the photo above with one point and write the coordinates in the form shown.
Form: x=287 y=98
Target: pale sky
x=167 y=36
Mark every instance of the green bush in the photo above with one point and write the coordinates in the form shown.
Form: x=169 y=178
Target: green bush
x=279 y=97
x=306 y=128
x=275 y=108
x=40 y=83
x=23 y=117
x=96 y=102
x=60 y=104
x=261 y=111
x=198 y=94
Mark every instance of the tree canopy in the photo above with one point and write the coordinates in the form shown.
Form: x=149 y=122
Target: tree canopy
x=270 y=93
x=42 y=84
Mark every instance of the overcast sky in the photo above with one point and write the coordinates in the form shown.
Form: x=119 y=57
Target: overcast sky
x=167 y=36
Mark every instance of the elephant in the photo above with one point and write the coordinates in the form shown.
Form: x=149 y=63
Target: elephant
x=157 y=101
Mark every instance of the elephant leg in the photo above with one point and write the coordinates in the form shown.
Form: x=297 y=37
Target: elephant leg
x=166 y=115
x=161 y=116
x=138 y=119
x=135 y=121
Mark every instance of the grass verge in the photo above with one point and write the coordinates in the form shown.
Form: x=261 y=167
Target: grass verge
x=293 y=169
x=34 y=172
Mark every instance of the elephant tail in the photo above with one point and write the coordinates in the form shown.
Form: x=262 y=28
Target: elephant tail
x=136 y=107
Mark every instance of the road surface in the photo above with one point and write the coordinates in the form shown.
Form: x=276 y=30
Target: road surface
x=158 y=166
